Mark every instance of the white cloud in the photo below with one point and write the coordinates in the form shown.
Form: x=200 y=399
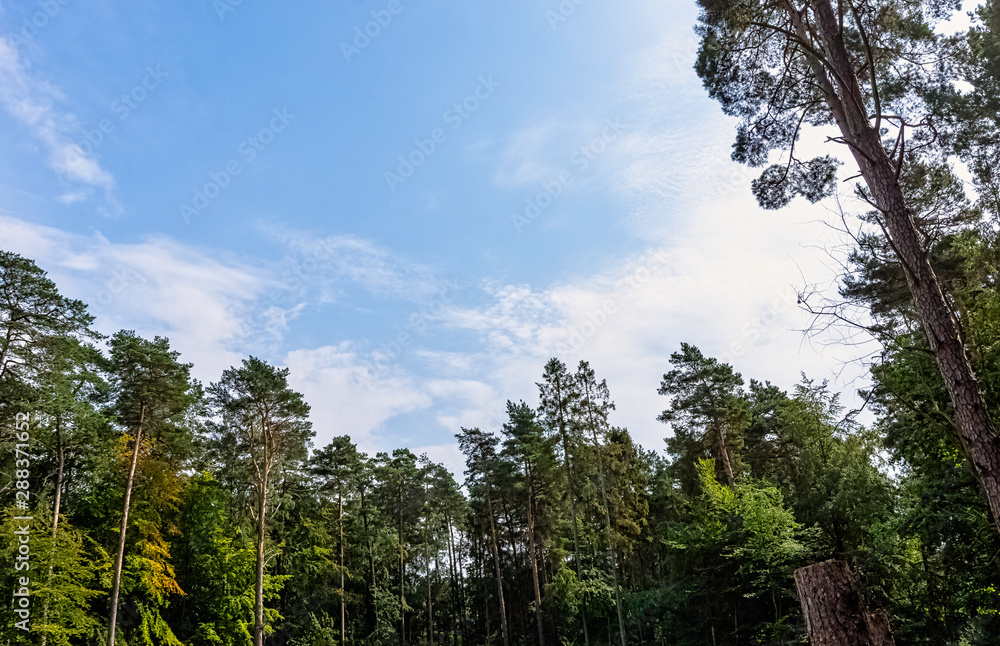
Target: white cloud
x=327 y=264
x=155 y=287
x=727 y=285
x=723 y=285
x=342 y=404
x=727 y=282
x=202 y=302
x=32 y=102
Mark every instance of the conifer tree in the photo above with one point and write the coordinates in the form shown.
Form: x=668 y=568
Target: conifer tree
x=267 y=422
x=151 y=391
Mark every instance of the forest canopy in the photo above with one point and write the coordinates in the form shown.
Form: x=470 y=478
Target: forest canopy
x=146 y=508
x=564 y=531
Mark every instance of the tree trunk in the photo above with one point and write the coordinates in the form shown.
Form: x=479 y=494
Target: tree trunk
x=343 y=612
x=534 y=564
x=834 y=611
x=427 y=559
x=515 y=559
x=464 y=615
x=611 y=544
x=55 y=510
x=120 y=557
x=975 y=428
x=258 y=604
x=496 y=562
x=402 y=598
x=576 y=534
x=454 y=583
x=59 y=476
x=727 y=465
x=371 y=557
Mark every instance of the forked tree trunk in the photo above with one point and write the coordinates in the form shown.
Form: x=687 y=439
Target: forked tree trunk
x=833 y=608
x=727 y=465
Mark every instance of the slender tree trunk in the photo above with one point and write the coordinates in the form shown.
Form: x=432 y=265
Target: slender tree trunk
x=371 y=557
x=120 y=557
x=534 y=561
x=258 y=605
x=834 y=611
x=55 y=510
x=727 y=465
x=483 y=607
x=427 y=559
x=496 y=562
x=611 y=543
x=461 y=585
x=454 y=583
x=59 y=476
x=975 y=428
x=576 y=533
x=515 y=559
x=437 y=579
x=402 y=598
x=607 y=512
x=343 y=611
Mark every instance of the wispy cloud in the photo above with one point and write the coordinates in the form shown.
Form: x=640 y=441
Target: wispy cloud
x=33 y=103
x=329 y=263
x=156 y=286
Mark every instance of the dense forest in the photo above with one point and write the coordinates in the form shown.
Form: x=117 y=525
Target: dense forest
x=142 y=507
x=195 y=514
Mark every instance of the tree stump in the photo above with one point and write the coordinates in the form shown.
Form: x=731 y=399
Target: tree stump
x=834 y=610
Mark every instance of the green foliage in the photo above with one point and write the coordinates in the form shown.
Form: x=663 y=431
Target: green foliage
x=707 y=414
x=700 y=557
x=63 y=578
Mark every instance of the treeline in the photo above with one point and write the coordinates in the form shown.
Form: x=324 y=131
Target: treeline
x=167 y=512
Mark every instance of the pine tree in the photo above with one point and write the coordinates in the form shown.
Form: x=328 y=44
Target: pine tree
x=706 y=412
x=32 y=314
x=532 y=451
x=864 y=69
x=151 y=394
x=557 y=395
x=481 y=457
x=266 y=421
x=592 y=412
x=338 y=465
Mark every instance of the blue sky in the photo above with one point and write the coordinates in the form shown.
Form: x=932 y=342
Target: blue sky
x=412 y=204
